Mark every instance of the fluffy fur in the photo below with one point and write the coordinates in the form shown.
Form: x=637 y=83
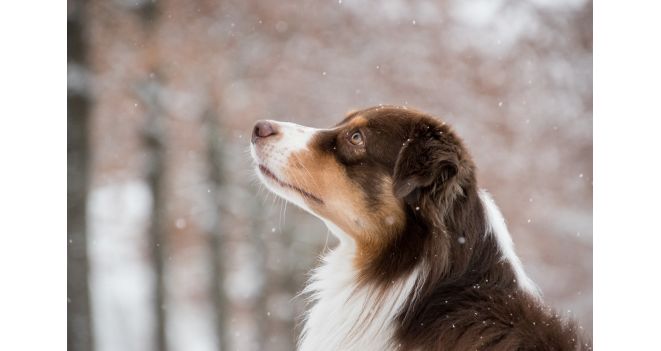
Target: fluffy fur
x=425 y=260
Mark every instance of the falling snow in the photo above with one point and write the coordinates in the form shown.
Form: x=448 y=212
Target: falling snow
x=180 y=223
x=302 y=64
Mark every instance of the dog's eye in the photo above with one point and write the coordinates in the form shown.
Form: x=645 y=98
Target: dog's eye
x=356 y=138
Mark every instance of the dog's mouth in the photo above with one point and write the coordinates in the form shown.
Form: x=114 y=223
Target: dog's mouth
x=267 y=172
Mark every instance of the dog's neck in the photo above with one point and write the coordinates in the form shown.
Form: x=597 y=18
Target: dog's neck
x=346 y=315
x=351 y=315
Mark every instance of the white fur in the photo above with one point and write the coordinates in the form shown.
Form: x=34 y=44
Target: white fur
x=336 y=320
x=496 y=223
x=275 y=156
x=343 y=317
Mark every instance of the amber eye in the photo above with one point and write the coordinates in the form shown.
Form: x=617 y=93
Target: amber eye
x=356 y=138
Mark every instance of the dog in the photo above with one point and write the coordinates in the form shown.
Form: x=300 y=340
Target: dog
x=424 y=260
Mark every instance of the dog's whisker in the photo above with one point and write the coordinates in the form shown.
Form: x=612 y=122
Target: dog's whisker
x=423 y=254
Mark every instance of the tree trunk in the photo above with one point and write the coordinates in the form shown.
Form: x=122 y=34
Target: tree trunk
x=216 y=237
x=260 y=309
x=154 y=138
x=79 y=315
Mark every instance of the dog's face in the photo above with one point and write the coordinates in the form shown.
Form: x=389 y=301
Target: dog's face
x=366 y=174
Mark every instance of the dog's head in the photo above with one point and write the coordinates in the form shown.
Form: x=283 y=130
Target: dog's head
x=369 y=174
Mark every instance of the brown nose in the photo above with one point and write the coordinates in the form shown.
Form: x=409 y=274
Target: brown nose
x=263 y=129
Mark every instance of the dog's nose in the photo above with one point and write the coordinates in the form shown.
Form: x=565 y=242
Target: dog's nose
x=263 y=129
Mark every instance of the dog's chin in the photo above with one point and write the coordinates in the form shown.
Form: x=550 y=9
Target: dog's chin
x=281 y=188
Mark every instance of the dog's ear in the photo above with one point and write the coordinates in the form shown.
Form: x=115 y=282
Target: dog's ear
x=426 y=159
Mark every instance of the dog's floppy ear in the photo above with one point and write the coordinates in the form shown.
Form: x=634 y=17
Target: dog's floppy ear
x=426 y=159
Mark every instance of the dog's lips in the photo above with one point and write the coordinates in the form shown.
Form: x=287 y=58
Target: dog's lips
x=270 y=175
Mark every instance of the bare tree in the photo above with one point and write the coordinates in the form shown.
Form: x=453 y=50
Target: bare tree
x=261 y=251
x=290 y=284
x=79 y=316
x=216 y=237
x=154 y=139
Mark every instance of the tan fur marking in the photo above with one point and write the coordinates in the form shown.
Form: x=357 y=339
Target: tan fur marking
x=325 y=178
x=358 y=121
x=345 y=203
x=388 y=220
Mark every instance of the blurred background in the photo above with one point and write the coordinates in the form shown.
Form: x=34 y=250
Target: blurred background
x=171 y=244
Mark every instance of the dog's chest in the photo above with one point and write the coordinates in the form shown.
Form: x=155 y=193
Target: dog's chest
x=343 y=317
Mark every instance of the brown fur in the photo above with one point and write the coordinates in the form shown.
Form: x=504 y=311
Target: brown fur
x=407 y=196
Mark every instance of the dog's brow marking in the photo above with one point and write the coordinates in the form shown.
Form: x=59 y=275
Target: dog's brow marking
x=358 y=121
